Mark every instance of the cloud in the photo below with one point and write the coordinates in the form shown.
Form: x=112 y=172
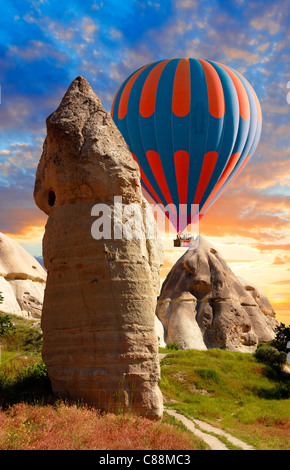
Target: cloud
x=263 y=174
x=45 y=46
x=37 y=50
x=242 y=54
x=19 y=212
x=280 y=260
x=116 y=34
x=5 y=169
x=275 y=108
x=186 y=4
x=22 y=155
x=268 y=21
x=89 y=28
x=283 y=282
x=252 y=218
x=272 y=246
x=264 y=47
x=15 y=110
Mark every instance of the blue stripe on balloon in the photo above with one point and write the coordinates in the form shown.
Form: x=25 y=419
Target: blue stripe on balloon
x=134 y=130
x=163 y=126
x=196 y=133
x=253 y=119
x=251 y=141
x=229 y=132
x=243 y=130
x=199 y=117
x=147 y=127
x=121 y=123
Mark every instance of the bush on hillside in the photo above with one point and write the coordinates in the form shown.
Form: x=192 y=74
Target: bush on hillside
x=6 y=325
x=270 y=355
x=172 y=346
x=29 y=385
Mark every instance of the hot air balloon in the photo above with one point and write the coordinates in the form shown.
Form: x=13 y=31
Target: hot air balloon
x=192 y=125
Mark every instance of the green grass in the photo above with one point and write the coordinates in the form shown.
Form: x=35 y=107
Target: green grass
x=23 y=375
x=231 y=390
x=22 y=344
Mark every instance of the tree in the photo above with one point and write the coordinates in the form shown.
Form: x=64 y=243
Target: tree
x=282 y=338
x=5 y=324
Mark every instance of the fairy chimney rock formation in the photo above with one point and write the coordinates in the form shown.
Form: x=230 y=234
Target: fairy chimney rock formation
x=98 y=320
x=22 y=280
x=203 y=305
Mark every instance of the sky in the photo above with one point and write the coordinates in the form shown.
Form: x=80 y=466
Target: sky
x=45 y=45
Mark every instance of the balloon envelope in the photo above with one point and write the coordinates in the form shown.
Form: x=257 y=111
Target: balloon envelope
x=192 y=125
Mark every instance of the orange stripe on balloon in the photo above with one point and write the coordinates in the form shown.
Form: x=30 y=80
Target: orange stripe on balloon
x=244 y=104
x=225 y=174
x=157 y=170
x=209 y=162
x=181 y=89
x=216 y=100
x=233 y=179
x=148 y=95
x=181 y=160
x=146 y=181
x=122 y=111
x=239 y=170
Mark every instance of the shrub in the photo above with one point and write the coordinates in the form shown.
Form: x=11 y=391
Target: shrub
x=280 y=391
x=172 y=346
x=1 y=298
x=70 y=427
x=6 y=326
x=26 y=336
x=270 y=355
x=29 y=385
x=209 y=375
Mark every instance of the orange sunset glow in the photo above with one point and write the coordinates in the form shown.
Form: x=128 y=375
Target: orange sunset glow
x=44 y=48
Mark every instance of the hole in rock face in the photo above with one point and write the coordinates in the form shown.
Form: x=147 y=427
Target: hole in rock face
x=51 y=198
x=214 y=252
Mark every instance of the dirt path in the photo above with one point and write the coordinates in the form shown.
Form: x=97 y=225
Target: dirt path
x=213 y=442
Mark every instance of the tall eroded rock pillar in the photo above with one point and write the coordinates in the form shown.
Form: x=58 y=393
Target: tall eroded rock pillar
x=98 y=319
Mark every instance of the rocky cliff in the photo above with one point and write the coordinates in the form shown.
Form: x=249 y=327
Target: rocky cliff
x=99 y=339
x=22 y=280
x=203 y=304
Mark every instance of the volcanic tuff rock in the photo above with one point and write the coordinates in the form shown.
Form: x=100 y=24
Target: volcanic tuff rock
x=203 y=305
x=22 y=280
x=98 y=320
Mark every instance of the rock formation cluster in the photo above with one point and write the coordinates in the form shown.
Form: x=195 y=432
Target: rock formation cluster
x=98 y=319
x=203 y=305
x=22 y=280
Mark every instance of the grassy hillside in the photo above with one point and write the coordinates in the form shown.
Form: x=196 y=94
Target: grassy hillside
x=31 y=418
x=232 y=391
